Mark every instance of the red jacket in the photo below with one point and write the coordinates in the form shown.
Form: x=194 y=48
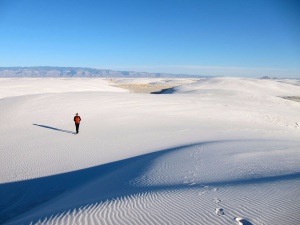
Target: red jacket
x=77 y=119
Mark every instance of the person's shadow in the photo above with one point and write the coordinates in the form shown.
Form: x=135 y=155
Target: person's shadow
x=53 y=128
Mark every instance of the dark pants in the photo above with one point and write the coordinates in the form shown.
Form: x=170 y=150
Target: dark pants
x=77 y=127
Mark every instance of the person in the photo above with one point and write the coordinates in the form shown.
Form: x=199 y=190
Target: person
x=77 y=120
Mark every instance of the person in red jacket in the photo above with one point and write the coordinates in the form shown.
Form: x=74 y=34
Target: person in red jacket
x=77 y=120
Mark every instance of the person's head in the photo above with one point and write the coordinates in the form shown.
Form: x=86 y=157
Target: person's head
x=76 y=114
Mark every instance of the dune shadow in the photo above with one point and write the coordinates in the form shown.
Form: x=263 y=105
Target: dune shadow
x=54 y=128
x=164 y=91
x=95 y=184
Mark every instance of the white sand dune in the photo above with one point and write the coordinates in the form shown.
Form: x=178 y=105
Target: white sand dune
x=28 y=86
x=212 y=151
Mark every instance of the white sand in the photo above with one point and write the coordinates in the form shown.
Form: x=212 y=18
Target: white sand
x=213 y=151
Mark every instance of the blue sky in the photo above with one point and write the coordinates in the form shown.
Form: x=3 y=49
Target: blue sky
x=248 y=38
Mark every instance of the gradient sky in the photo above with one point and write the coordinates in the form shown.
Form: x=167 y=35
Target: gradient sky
x=248 y=38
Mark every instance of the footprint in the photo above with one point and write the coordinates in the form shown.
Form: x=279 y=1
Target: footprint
x=215 y=189
x=242 y=221
x=216 y=200
x=219 y=211
x=202 y=193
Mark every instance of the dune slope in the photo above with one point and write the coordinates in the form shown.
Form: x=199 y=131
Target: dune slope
x=215 y=151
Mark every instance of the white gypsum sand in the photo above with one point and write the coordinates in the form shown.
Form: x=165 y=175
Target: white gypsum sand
x=212 y=151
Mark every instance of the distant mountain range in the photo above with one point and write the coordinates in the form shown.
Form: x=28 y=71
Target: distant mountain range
x=45 y=71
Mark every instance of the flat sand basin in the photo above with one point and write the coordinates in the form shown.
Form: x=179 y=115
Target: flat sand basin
x=145 y=88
